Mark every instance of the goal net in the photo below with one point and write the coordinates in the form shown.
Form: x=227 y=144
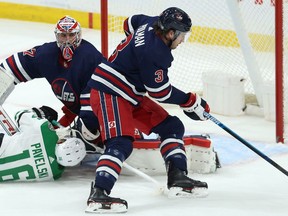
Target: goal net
x=229 y=38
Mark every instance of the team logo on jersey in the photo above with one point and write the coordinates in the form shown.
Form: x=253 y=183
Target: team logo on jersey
x=63 y=91
x=112 y=124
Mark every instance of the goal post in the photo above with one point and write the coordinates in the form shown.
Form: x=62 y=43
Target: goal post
x=279 y=69
x=243 y=38
x=104 y=27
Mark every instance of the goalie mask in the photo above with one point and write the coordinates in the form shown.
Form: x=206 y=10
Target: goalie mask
x=70 y=151
x=175 y=19
x=68 y=36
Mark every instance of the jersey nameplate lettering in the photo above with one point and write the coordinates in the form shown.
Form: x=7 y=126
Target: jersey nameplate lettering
x=139 y=36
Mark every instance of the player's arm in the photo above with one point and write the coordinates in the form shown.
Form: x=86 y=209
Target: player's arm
x=127 y=26
x=22 y=65
x=160 y=89
x=68 y=117
x=86 y=123
x=195 y=107
x=154 y=74
x=43 y=112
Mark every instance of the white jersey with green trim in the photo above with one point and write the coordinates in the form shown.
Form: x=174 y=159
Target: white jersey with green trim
x=30 y=154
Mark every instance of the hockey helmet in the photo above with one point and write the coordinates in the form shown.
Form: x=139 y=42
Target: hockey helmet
x=70 y=151
x=68 y=36
x=176 y=19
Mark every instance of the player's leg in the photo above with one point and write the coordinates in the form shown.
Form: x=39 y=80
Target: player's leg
x=113 y=114
x=151 y=117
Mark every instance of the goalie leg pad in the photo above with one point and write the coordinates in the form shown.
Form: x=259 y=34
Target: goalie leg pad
x=201 y=157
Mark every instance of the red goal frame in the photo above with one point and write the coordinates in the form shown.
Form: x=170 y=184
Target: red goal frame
x=279 y=73
x=279 y=61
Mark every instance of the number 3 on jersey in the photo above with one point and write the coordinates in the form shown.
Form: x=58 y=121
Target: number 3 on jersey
x=159 y=76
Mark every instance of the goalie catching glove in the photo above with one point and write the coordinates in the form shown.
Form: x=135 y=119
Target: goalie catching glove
x=195 y=107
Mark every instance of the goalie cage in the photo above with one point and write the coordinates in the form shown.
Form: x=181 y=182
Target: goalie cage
x=201 y=157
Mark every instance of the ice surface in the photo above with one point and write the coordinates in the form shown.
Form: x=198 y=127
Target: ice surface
x=245 y=185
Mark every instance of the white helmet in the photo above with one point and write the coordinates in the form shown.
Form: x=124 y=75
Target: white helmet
x=70 y=151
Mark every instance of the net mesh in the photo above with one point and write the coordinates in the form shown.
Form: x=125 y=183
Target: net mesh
x=213 y=46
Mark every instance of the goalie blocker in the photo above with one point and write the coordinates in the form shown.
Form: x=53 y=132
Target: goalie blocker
x=201 y=157
x=6 y=87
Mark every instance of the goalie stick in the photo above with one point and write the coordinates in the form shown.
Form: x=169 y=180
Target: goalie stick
x=232 y=133
x=158 y=190
x=6 y=87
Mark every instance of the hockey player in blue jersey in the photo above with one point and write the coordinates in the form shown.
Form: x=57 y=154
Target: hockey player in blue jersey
x=139 y=65
x=67 y=64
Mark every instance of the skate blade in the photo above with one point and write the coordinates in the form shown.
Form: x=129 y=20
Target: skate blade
x=177 y=192
x=99 y=208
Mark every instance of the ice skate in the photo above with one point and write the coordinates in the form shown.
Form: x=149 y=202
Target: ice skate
x=99 y=202
x=180 y=185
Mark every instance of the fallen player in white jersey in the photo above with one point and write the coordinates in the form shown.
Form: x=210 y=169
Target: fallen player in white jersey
x=38 y=152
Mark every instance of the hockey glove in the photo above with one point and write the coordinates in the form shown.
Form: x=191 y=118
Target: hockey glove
x=46 y=112
x=91 y=139
x=68 y=117
x=195 y=106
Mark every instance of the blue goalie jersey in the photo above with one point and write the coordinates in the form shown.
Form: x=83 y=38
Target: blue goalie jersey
x=68 y=80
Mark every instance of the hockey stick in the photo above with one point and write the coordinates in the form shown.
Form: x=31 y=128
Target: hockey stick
x=159 y=188
x=265 y=157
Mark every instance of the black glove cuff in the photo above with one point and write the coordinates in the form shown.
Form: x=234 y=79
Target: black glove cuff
x=46 y=112
x=38 y=112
